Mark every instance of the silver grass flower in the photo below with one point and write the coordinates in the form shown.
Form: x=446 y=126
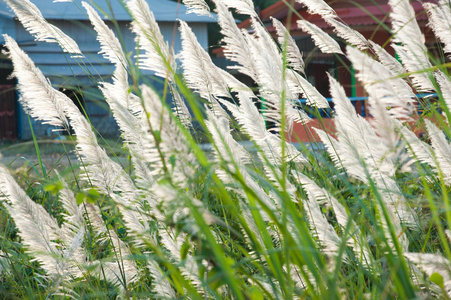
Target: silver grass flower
x=157 y=56
x=382 y=84
x=38 y=97
x=200 y=73
x=433 y=263
x=198 y=7
x=348 y=34
x=245 y=7
x=440 y=21
x=355 y=240
x=387 y=59
x=32 y=19
x=442 y=150
x=408 y=43
x=235 y=42
x=109 y=44
x=445 y=87
x=40 y=232
x=309 y=92
x=319 y=7
x=322 y=40
x=294 y=56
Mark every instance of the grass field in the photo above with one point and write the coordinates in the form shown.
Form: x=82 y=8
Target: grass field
x=152 y=215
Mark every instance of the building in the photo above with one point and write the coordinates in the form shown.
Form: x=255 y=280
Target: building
x=78 y=77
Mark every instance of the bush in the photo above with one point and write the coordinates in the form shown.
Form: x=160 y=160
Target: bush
x=367 y=218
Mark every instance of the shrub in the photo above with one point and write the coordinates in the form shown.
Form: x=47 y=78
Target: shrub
x=366 y=218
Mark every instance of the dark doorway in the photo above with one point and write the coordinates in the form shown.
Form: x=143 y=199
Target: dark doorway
x=8 y=101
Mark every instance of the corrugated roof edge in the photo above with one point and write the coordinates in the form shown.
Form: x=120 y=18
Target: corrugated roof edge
x=163 y=10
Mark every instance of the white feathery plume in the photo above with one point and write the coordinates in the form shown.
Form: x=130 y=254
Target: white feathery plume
x=387 y=59
x=95 y=220
x=383 y=124
x=161 y=287
x=137 y=137
x=228 y=148
x=110 y=46
x=399 y=233
x=102 y=172
x=310 y=93
x=198 y=7
x=442 y=150
x=294 y=56
x=157 y=56
x=269 y=66
x=180 y=108
x=129 y=121
x=74 y=215
x=359 y=246
x=128 y=113
x=322 y=40
x=244 y=7
x=235 y=42
x=247 y=114
x=217 y=109
x=123 y=105
x=38 y=97
x=408 y=42
x=105 y=174
x=262 y=40
x=420 y=75
x=396 y=203
x=418 y=149
x=235 y=156
x=371 y=148
x=319 y=7
x=199 y=71
x=343 y=155
x=268 y=142
x=39 y=231
x=123 y=271
x=363 y=154
x=332 y=146
x=253 y=124
x=433 y=263
x=74 y=227
x=122 y=268
x=355 y=135
x=322 y=229
x=445 y=87
x=439 y=21
x=171 y=140
x=32 y=19
x=382 y=84
x=448 y=234
x=188 y=266
x=350 y=35
x=298 y=277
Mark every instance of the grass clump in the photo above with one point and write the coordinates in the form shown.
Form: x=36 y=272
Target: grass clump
x=366 y=218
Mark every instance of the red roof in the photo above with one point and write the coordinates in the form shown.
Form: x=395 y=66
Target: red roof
x=365 y=14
